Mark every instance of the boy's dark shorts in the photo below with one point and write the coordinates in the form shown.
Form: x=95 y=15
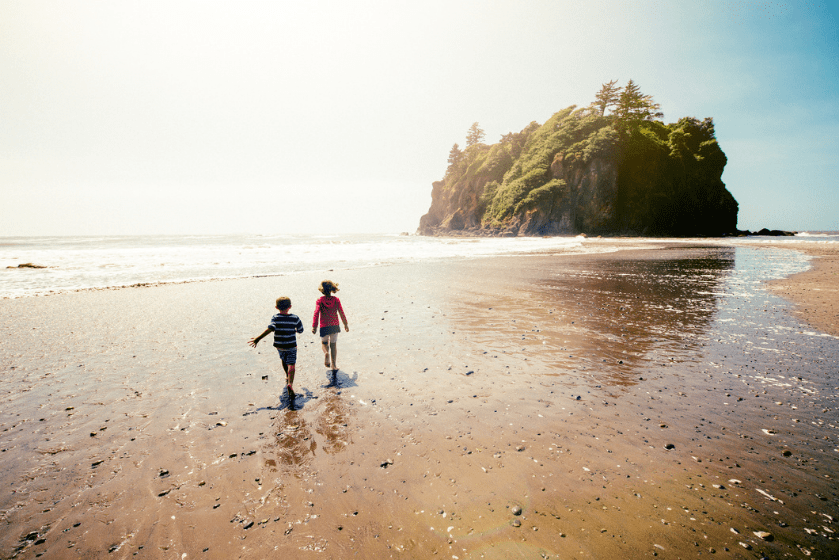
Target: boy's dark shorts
x=288 y=355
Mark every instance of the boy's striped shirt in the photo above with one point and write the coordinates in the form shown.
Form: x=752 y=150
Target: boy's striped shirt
x=284 y=327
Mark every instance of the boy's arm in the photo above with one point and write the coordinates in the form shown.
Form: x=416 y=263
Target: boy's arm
x=299 y=326
x=253 y=342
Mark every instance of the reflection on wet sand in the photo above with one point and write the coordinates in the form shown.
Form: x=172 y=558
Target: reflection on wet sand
x=295 y=445
x=606 y=319
x=333 y=423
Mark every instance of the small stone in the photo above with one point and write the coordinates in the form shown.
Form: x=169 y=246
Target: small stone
x=670 y=446
x=745 y=545
x=763 y=535
x=516 y=510
x=516 y=523
x=787 y=453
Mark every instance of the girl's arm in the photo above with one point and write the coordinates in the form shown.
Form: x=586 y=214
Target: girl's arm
x=343 y=318
x=315 y=317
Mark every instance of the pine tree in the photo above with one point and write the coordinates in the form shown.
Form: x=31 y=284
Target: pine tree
x=455 y=156
x=474 y=135
x=608 y=96
x=633 y=105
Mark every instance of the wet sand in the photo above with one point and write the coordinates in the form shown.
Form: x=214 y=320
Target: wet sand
x=814 y=291
x=632 y=404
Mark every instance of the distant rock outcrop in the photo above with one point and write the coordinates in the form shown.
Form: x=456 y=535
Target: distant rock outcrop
x=582 y=172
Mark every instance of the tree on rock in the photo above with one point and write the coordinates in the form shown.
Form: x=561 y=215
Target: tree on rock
x=455 y=157
x=474 y=135
x=608 y=96
x=633 y=105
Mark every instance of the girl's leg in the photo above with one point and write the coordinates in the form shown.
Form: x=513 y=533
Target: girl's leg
x=326 y=348
x=333 y=352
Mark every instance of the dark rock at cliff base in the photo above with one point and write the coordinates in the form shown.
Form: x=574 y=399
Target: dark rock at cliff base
x=764 y=232
x=582 y=172
x=774 y=232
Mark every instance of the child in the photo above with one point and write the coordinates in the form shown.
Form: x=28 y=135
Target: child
x=284 y=325
x=329 y=308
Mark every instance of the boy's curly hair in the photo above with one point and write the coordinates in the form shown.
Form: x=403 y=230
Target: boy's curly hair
x=328 y=287
x=283 y=303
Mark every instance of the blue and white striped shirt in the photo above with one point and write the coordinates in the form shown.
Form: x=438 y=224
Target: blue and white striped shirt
x=284 y=327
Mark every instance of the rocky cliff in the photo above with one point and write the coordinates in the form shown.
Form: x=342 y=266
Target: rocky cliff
x=582 y=172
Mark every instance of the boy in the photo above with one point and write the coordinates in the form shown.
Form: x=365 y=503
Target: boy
x=284 y=325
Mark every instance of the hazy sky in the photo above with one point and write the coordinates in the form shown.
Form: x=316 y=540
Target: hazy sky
x=130 y=117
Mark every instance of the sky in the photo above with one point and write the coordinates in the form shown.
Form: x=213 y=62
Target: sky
x=202 y=117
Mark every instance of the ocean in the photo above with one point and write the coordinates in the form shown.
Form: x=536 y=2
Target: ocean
x=83 y=263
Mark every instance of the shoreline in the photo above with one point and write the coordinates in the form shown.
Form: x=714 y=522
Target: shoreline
x=621 y=400
x=815 y=291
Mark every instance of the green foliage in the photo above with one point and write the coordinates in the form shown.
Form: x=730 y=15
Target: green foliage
x=488 y=194
x=601 y=143
x=567 y=132
x=541 y=196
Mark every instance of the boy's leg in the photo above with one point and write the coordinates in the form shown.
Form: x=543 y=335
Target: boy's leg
x=290 y=375
x=286 y=369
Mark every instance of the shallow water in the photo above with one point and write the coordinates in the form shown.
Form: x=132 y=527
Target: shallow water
x=146 y=420
x=80 y=263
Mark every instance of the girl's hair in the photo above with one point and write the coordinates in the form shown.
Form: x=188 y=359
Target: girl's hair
x=328 y=287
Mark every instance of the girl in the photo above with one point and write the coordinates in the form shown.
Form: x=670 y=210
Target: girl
x=328 y=307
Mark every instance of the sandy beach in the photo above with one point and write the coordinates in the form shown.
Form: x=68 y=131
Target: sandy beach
x=814 y=291
x=632 y=404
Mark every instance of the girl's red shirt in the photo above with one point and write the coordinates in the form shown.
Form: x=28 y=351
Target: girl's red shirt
x=328 y=308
